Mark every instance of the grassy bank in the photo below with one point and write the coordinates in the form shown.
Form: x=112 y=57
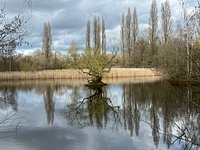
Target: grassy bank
x=74 y=74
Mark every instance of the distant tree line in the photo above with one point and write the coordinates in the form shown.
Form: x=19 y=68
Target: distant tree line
x=99 y=35
x=174 y=51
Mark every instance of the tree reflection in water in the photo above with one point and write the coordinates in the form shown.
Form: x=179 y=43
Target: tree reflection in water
x=188 y=114
x=8 y=98
x=49 y=104
x=131 y=114
x=8 y=120
x=93 y=110
x=172 y=112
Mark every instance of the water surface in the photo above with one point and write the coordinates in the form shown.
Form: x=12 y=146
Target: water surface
x=137 y=114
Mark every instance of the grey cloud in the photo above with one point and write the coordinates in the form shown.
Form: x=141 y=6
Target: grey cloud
x=49 y=139
x=76 y=139
x=68 y=17
x=77 y=15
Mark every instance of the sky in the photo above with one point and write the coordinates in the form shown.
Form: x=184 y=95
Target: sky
x=68 y=18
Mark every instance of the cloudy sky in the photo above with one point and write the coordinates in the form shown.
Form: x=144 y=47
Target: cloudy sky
x=68 y=18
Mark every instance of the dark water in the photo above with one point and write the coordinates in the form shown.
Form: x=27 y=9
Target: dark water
x=66 y=115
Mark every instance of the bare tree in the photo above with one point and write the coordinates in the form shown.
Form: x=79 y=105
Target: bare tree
x=128 y=35
x=153 y=22
x=166 y=19
x=94 y=32
x=103 y=36
x=123 y=39
x=47 y=42
x=188 y=22
x=12 y=33
x=98 y=42
x=73 y=49
x=88 y=35
x=135 y=31
x=99 y=35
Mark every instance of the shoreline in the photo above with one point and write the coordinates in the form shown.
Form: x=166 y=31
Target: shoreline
x=179 y=82
x=76 y=74
x=77 y=82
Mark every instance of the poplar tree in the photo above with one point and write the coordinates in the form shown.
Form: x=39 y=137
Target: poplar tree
x=88 y=35
x=135 y=31
x=153 y=22
x=128 y=35
x=47 y=42
x=123 y=39
x=166 y=19
x=103 y=36
x=95 y=33
x=98 y=43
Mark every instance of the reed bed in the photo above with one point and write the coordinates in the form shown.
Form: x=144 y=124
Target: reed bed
x=78 y=82
x=131 y=72
x=124 y=80
x=75 y=74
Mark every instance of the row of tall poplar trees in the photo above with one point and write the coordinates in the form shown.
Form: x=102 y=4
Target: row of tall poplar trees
x=130 y=32
x=172 y=48
x=99 y=35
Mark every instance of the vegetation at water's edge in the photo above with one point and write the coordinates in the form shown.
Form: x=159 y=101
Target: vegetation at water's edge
x=74 y=74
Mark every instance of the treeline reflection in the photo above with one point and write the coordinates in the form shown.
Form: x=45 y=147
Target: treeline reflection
x=8 y=98
x=171 y=111
x=95 y=109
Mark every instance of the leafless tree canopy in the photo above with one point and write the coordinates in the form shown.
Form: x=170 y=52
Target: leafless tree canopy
x=12 y=34
x=129 y=37
x=166 y=19
x=153 y=29
x=88 y=35
x=103 y=36
x=47 y=42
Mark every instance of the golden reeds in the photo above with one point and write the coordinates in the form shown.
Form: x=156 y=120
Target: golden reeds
x=132 y=72
x=75 y=74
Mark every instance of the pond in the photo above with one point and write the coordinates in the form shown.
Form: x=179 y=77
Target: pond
x=128 y=114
